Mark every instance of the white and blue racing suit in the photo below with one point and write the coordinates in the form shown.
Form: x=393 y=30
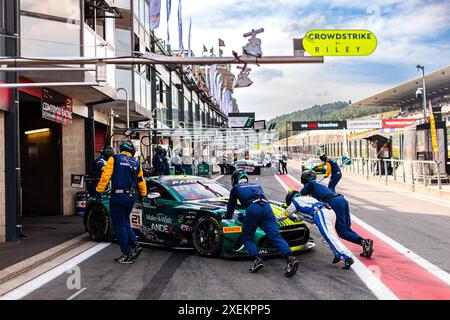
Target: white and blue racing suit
x=315 y=212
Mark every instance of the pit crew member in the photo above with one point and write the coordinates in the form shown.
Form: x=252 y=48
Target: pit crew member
x=340 y=207
x=315 y=212
x=126 y=176
x=333 y=168
x=258 y=214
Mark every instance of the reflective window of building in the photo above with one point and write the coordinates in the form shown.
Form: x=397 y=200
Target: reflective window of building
x=123 y=80
x=37 y=41
x=123 y=42
x=59 y=8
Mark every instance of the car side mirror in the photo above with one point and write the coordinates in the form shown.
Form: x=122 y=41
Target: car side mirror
x=153 y=195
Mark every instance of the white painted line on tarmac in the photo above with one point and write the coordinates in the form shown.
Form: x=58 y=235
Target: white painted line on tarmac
x=370 y=280
x=425 y=264
x=431 y=268
x=285 y=187
x=36 y=283
x=76 y=294
x=403 y=192
x=218 y=177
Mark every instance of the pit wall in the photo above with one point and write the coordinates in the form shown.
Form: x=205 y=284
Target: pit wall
x=73 y=159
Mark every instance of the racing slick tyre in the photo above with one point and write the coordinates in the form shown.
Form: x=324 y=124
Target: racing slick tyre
x=207 y=236
x=98 y=223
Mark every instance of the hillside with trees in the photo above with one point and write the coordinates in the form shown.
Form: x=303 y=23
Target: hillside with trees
x=326 y=112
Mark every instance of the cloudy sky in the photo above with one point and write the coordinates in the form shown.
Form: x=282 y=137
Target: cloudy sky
x=408 y=32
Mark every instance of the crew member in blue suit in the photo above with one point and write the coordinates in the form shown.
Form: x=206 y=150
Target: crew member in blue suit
x=99 y=163
x=166 y=163
x=303 y=208
x=97 y=168
x=258 y=213
x=158 y=161
x=127 y=182
x=340 y=207
x=333 y=168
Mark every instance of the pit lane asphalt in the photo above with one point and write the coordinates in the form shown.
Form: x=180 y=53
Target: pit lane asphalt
x=169 y=274
x=418 y=224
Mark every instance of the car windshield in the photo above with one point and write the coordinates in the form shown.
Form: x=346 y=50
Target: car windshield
x=200 y=191
x=218 y=188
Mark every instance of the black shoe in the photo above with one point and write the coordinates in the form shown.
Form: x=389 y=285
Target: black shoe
x=257 y=265
x=291 y=267
x=367 y=245
x=348 y=263
x=135 y=251
x=124 y=259
x=336 y=260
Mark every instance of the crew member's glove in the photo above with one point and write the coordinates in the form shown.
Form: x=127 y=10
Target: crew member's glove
x=98 y=197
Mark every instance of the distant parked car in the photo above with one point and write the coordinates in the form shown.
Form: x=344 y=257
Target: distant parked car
x=311 y=164
x=250 y=166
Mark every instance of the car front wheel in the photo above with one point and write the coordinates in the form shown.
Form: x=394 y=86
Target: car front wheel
x=98 y=223
x=207 y=236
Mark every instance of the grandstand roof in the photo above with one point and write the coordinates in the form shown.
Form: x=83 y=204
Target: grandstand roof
x=436 y=84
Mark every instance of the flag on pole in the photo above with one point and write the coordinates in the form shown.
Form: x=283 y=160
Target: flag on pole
x=169 y=9
x=155 y=13
x=434 y=144
x=211 y=51
x=220 y=52
x=189 y=38
x=180 y=29
x=221 y=43
x=205 y=49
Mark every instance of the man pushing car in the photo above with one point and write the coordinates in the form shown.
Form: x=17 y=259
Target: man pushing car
x=340 y=207
x=258 y=213
x=303 y=208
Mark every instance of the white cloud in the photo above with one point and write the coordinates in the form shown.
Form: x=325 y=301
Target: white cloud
x=406 y=36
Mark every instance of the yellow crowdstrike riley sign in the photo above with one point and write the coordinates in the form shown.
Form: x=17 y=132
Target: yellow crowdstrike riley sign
x=339 y=42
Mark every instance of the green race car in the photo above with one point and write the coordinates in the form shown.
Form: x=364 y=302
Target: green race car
x=186 y=212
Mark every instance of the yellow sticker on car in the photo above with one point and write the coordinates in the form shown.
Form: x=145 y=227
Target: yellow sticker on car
x=232 y=229
x=339 y=42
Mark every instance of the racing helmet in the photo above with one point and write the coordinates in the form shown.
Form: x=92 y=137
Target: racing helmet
x=323 y=157
x=238 y=175
x=307 y=176
x=291 y=195
x=158 y=150
x=107 y=152
x=128 y=146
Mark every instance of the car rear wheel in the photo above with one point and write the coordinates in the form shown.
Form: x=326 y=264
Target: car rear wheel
x=98 y=223
x=207 y=236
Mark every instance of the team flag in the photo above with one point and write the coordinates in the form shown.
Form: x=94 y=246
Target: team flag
x=189 y=38
x=180 y=29
x=169 y=9
x=155 y=13
x=221 y=43
x=434 y=144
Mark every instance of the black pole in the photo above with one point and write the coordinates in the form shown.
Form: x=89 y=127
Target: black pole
x=287 y=140
x=89 y=130
x=13 y=202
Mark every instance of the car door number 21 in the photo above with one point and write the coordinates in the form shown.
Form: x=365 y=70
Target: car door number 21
x=136 y=218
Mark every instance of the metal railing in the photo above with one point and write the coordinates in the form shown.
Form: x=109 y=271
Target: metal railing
x=408 y=171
